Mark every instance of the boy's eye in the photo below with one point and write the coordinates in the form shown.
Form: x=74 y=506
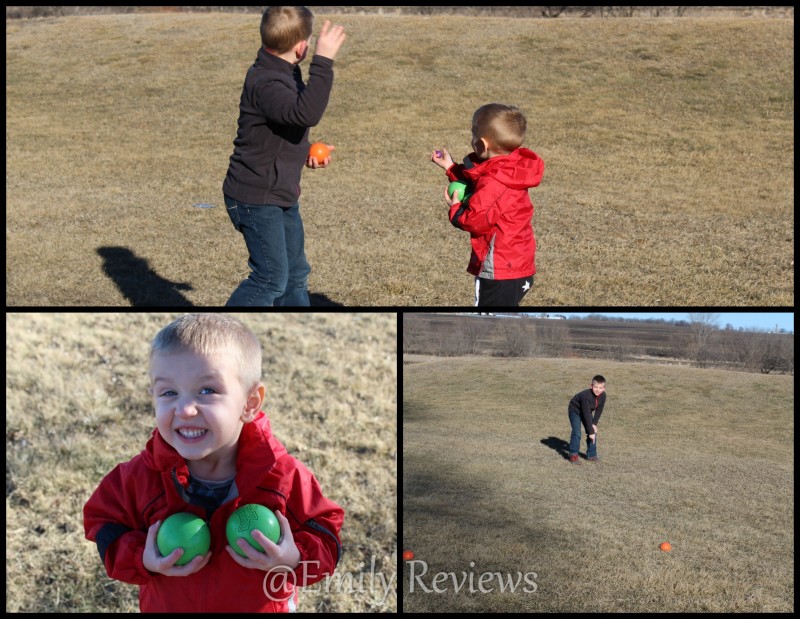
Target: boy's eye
x=171 y=393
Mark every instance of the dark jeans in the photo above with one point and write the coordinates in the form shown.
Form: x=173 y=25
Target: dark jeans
x=278 y=266
x=575 y=437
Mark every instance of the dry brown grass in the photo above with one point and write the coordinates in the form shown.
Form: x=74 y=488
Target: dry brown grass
x=700 y=458
x=668 y=142
x=77 y=405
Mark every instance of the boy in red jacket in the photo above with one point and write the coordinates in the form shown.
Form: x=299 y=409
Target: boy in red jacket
x=497 y=210
x=212 y=452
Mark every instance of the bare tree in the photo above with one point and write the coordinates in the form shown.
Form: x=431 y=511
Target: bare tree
x=411 y=333
x=787 y=352
x=519 y=341
x=472 y=332
x=702 y=327
x=552 y=11
x=619 y=349
x=771 y=352
x=450 y=342
x=553 y=340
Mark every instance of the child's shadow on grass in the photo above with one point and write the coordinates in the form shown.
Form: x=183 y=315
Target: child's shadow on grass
x=143 y=287
x=138 y=282
x=560 y=446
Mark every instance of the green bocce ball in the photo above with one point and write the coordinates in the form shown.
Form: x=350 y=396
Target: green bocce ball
x=246 y=519
x=184 y=530
x=457 y=190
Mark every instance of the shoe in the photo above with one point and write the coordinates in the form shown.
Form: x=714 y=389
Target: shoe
x=574 y=459
x=593 y=459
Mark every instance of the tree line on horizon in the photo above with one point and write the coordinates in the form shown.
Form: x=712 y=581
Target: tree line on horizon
x=700 y=343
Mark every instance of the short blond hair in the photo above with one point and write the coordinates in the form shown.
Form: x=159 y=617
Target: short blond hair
x=212 y=333
x=283 y=27
x=502 y=125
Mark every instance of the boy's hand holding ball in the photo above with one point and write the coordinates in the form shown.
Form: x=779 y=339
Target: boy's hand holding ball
x=271 y=557
x=154 y=562
x=319 y=155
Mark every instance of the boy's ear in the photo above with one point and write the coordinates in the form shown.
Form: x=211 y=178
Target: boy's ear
x=300 y=49
x=253 y=404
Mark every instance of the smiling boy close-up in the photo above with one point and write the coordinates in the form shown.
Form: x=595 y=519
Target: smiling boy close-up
x=212 y=452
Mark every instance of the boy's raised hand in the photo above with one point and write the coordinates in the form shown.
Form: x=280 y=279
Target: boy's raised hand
x=442 y=158
x=330 y=40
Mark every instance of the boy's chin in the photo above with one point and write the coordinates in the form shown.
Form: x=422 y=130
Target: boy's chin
x=191 y=451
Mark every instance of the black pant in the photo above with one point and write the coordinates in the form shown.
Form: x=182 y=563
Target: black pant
x=501 y=292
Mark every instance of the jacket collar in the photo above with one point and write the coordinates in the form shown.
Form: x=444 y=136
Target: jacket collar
x=273 y=62
x=258 y=451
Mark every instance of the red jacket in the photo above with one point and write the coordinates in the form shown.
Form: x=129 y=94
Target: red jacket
x=149 y=487
x=499 y=212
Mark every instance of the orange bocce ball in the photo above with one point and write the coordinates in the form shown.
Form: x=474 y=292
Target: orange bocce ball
x=320 y=151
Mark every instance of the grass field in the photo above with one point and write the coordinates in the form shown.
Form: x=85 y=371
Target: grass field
x=700 y=458
x=77 y=405
x=668 y=143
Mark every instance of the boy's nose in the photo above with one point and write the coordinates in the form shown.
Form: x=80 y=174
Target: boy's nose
x=186 y=408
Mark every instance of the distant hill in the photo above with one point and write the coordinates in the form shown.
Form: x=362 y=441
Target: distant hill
x=453 y=334
x=17 y=12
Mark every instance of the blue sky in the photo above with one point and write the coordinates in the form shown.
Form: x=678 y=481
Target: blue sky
x=747 y=320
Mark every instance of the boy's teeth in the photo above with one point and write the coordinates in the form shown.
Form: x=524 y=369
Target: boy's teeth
x=191 y=433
